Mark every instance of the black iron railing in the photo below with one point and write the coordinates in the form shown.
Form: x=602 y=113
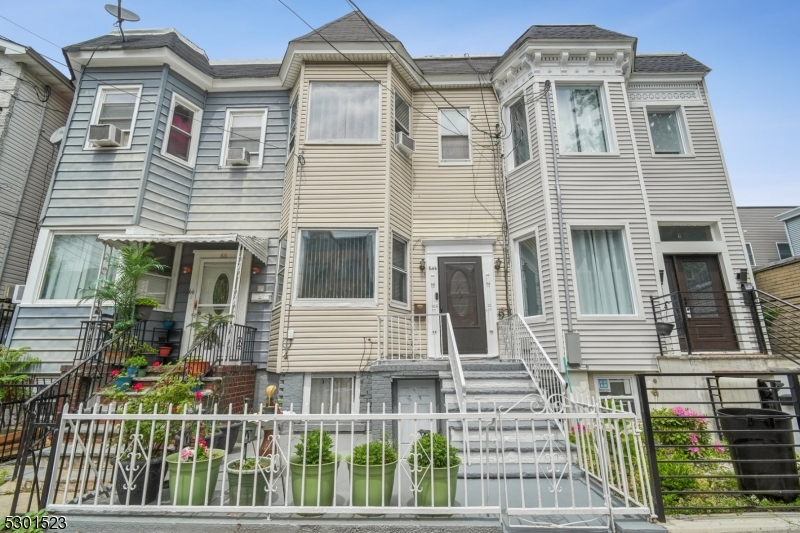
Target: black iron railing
x=242 y=343
x=13 y=397
x=6 y=314
x=223 y=343
x=722 y=442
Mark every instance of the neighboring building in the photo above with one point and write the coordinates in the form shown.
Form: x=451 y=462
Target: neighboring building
x=791 y=220
x=765 y=235
x=34 y=101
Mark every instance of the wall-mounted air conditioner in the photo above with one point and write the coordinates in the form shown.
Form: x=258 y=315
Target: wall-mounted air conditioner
x=105 y=135
x=404 y=142
x=19 y=291
x=238 y=157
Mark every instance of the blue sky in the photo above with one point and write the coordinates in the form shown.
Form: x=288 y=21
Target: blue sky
x=750 y=47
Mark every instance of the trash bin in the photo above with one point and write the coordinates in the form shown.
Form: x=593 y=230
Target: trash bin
x=761 y=443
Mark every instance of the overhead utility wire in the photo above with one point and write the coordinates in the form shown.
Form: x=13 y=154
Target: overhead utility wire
x=37 y=104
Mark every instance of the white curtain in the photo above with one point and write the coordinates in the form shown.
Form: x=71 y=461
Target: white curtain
x=344 y=112
x=604 y=286
x=332 y=394
x=581 y=126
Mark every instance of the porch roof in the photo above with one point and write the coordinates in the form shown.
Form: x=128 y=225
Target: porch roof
x=258 y=246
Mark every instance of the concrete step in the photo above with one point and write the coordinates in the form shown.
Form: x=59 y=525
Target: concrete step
x=507 y=438
x=489 y=374
x=541 y=426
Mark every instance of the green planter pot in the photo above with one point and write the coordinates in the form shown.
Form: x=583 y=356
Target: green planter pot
x=433 y=487
x=141 y=372
x=381 y=482
x=319 y=480
x=180 y=479
x=253 y=481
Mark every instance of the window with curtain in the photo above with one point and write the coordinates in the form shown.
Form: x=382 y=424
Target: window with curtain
x=601 y=268
x=520 y=146
x=246 y=130
x=183 y=128
x=529 y=277
x=665 y=131
x=399 y=270
x=581 y=119
x=344 y=112
x=332 y=395
x=454 y=135
x=281 y=271
x=336 y=265
x=402 y=115
x=156 y=284
x=73 y=266
x=117 y=108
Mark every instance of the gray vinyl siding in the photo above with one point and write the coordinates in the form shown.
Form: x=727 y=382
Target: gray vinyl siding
x=246 y=201
x=793 y=230
x=51 y=333
x=762 y=230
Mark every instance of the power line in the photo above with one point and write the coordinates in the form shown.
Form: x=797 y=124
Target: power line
x=37 y=104
x=29 y=31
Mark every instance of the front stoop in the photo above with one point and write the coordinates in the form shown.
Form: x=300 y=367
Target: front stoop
x=736 y=523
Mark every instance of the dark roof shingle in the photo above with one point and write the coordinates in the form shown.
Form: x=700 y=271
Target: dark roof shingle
x=246 y=70
x=456 y=65
x=349 y=28
x=666 y=63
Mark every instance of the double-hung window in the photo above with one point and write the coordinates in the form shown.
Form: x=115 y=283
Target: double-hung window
x=336 y=265
x=292 y=125
x=183 y=130
x=73 y=267
x=160 y=284
x=601 y=269
x=529 y=277
x=666 y=132
x=582 y=124
x=402 y=115
x=344 y=113
x=454 y=136
x=616 y=393
x=399 y=270
x=520 y=146
x=117 y=106
x=331 y=394
x=281 y=271
x=245 y=128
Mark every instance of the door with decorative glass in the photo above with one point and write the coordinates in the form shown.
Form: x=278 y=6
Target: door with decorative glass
x=211 y=289
x=461 y=295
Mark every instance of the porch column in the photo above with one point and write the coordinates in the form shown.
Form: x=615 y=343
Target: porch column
x=237 y=276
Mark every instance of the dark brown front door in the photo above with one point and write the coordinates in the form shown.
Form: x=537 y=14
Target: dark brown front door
x=700 y=303
x=461 y=295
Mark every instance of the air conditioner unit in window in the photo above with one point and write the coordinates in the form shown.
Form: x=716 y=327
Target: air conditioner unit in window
x=404 y=142
x=105 y=135
x=19 y=291
x=238 y=156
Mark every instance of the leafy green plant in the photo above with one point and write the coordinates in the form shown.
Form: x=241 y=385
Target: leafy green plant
x=315 y=448
x=444 y=454
x=147 y=302
x=685 y=429
x=249 y=464
x=168 y=317
x=13 y=364
x=137 y=361
x=688 y=473
x=206 y=326
x=377 y=452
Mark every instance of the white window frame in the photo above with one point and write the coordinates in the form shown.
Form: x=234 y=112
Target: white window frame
x=284 y=244
x=292 y=126
x=751 y=256
x=517 y=274
x=608 y=123
x=333 y=302
x=44 y=259
x=169 y=305
x=633 y=398
x=195 y=133
x=99 y=99
x=777 y=247
x=392 y=302
x=394 y=114
x=509 y=149
x=633 y=277
x=229 y=114
x=682 y=126
x=455 y=162
x=344 y=141
x=307 y=389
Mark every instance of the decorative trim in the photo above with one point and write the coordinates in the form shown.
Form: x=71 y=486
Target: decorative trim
x=665 y=92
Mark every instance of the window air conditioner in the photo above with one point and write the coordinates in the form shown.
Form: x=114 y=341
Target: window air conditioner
x=404 y=142
x=105 y=135
x=238 y=156
x=19 y=290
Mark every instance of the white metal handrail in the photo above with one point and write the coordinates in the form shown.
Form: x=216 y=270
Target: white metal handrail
x=455 y=366
x=406 y=336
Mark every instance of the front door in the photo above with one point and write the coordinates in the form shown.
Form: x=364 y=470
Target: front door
x=461 y=295
x=211 y=289
x=411 y=392
x=699 y=299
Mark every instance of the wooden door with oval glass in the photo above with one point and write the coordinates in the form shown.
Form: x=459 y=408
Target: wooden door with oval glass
x=212 y=288
x=461 y=295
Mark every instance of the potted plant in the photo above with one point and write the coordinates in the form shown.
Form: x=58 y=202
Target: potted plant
x=247 y=481
x=193 y=471
x=373 y=467
x=121 y=379
x=147 y=351
x=144 y=307
x=136 y=365
x=434 y=463
x=164 y=350
x=169 y=322
x=196 y=366
x=313 y=468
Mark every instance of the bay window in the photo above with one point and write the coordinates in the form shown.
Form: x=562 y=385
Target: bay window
x=581 y=120
x=344 y=112
x=73 y=267
x=529 y=277
x=519 y=132
x=183 y=130
x=336 y=265
x=601 y=269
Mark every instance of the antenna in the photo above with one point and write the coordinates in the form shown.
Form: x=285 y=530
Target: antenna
x=122 y=15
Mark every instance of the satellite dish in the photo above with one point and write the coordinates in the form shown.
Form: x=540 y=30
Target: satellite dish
x=121 y=13
x=57 y=135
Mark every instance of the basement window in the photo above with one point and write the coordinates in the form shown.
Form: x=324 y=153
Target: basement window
x=330 y=394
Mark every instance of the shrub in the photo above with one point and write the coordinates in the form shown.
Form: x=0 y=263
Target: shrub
x=687 y=481
x=444 y=454
x=315 y=448
x=685 y=429
x=377 y=452
x=249 y=464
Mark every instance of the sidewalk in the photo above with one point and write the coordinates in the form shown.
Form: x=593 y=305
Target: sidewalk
x=736 y=523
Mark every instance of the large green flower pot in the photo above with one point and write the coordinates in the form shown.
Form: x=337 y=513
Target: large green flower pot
x=319 y=480
x=433 y=486
x=381 y=482
x=253 y=481
x=181 y=482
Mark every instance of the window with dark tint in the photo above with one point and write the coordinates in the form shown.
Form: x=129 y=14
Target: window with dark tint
x=519 y=132
x=784 y=250
x=529 y=277
x=402 y=115
x=684 y=233
x=399 y=270
x=337 y=265
x=180 y=132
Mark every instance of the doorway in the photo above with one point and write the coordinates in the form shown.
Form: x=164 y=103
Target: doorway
x=702 y=314
x=421 y=392
x=462 y=296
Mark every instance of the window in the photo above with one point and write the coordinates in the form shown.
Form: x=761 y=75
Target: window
x=751 y=259
x=117 y=106
x=454 y=135
x=666 y=131
x=292 y=125
x=529 y=277
x=617 y=393
x=520 y=146
x=72 y=267
x=344 y=112
x=399 y=270
x=784 y=250
x=337 y=265
x=331 y=394
x=581 y=120
x=159 y=284
x=281 y=271
x=684 y=233
x=402 y=115
x=245 y=128
x=184 y=126
x=601 y=268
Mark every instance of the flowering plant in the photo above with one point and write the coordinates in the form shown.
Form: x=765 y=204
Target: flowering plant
x=686 y=429
x=137 y=386
x=157 y=363
x=199 y=452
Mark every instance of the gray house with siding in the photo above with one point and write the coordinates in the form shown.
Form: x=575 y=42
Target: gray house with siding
x=765 y=235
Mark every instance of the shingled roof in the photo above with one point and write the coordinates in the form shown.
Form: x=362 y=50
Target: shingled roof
x=666 y=63
x=456 y=65
x=349 y=28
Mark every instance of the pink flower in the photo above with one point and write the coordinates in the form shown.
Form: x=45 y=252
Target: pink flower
x=679 y=411
x=692 y=438
x=198 y=395
x=98 y=389
x=138 y=386
x=694 y=449
x=719 y=447
x=157 y=363
x=114 y=373
x=186 y=454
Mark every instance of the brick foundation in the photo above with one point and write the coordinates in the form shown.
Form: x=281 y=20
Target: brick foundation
x=238 y=383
